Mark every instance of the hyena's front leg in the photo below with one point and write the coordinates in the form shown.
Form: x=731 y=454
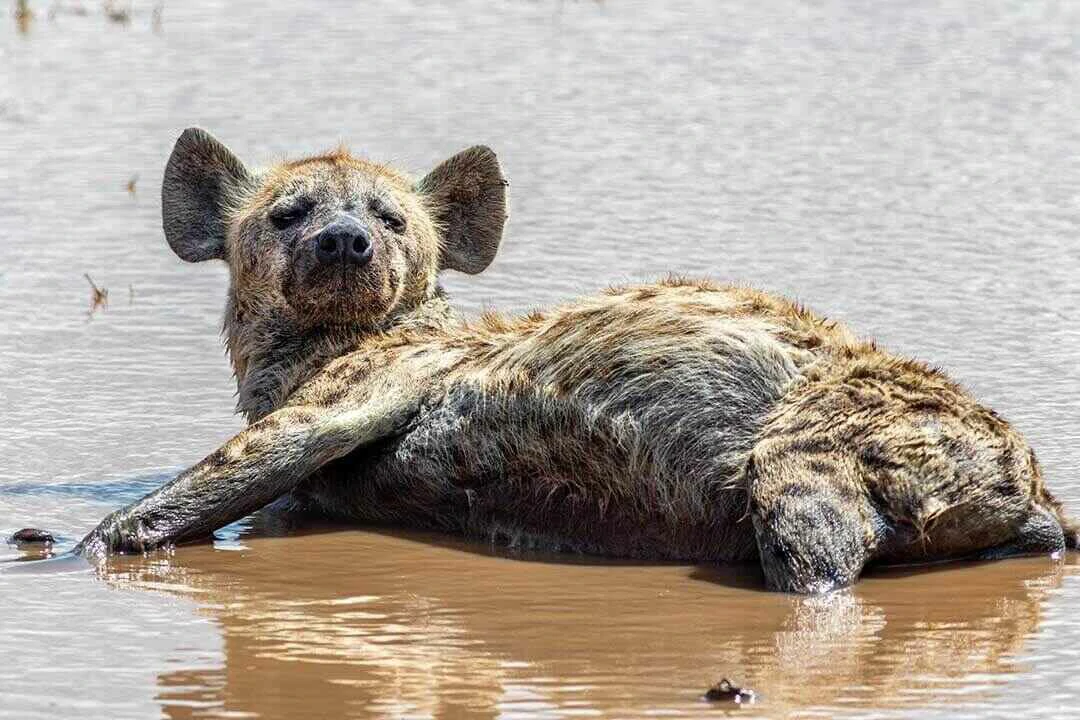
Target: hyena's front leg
x=816 y=528
x=268 y=459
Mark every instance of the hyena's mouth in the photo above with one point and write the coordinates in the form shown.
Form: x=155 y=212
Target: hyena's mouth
x=340 y=293
x=340 y=282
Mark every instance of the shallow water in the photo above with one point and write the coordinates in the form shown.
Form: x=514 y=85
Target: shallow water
x=913 y=169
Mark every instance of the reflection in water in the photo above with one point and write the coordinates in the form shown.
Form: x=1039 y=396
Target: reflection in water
x=356 y=623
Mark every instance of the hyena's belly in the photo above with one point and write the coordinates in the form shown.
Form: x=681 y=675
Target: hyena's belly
x=553 y=483
x=646 y=464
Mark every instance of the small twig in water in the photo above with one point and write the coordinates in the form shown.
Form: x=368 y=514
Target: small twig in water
x=99 y=296
x=23 y=16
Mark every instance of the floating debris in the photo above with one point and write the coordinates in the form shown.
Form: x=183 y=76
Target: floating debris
x=725 y=691
x=131 y=294
x=119 y=14
x=31 y=535
x=99 y=296
x=23 y=16
x=131 y=183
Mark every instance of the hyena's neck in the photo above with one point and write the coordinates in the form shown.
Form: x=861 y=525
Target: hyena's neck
x=271 y=357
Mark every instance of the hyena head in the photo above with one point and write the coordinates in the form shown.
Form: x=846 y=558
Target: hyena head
x=331 y=240
x=329 y=243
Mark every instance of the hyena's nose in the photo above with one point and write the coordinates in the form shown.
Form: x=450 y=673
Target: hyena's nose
x=345 y=240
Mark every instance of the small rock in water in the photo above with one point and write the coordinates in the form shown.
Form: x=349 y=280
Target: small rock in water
x=725 y=691
x=31 y=535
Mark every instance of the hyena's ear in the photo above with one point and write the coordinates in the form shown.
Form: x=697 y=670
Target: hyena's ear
x=467 y=195
x=200 y=178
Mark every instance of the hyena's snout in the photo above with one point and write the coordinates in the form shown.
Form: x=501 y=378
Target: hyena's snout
x=345 y=241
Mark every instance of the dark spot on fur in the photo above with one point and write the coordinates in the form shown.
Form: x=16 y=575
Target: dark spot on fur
x=1006 y=486
x=874 y=456
x=335 y=396
x=797 y=490
x=217 y=459
x=781 y=550
x=269 y=423
x=812 y=446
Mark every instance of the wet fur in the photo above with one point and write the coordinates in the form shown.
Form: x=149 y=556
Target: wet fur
x=676 y=420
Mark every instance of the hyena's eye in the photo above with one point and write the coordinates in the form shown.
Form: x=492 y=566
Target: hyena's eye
x=388 y=216
x=285 y=216
x=392 y=220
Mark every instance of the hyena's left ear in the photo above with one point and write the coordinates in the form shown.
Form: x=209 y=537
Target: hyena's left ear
x=467 y=195
x=201 y=179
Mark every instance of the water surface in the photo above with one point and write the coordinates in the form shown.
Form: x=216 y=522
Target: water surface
x=910 y=168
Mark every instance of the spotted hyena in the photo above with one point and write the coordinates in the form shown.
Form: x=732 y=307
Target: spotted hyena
x=680 y=420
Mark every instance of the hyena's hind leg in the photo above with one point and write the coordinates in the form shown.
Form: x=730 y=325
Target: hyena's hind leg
x=895 y=464
x=971 y=490
x=815 y=526
x=825 y=508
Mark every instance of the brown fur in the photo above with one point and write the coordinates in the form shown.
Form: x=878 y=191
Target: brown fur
x=681 y=419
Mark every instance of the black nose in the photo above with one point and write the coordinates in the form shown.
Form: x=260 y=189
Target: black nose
x=343 y=241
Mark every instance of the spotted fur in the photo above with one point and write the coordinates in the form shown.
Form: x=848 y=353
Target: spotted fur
x=676 y=420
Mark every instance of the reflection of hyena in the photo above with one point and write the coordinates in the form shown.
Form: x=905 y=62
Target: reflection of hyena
x=679 y=420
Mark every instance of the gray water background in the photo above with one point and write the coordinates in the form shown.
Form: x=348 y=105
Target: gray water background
x=910 y=168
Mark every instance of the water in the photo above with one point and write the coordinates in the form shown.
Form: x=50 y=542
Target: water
x=911 y=168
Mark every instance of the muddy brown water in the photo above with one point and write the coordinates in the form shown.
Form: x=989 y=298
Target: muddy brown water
x=911 y=168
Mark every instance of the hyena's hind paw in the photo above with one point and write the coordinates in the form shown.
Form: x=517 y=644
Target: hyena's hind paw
x=1041 y=533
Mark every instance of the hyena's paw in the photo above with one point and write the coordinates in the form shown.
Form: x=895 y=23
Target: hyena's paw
x=1040 y=534
x=811 y=541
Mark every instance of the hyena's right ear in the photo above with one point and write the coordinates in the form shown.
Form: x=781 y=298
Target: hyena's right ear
x=200 y=178
x=467 y=195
